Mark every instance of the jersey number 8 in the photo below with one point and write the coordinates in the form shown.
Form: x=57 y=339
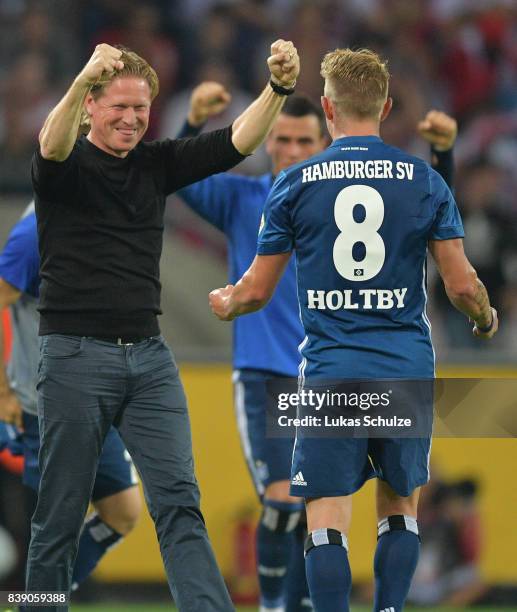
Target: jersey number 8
x=353 y=232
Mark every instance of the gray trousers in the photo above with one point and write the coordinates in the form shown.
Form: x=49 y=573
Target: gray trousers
x=84 y=386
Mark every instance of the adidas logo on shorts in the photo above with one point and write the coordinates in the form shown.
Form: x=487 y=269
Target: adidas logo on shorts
x=390 y=609
x=299 y=480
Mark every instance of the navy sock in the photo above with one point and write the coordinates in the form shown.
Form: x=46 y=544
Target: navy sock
x=96 y=538
x=328 y=570
x=275 y=536
x=297 y=589
x=395 y=562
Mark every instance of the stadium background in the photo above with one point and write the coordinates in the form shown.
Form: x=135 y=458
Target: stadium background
x=455 y=55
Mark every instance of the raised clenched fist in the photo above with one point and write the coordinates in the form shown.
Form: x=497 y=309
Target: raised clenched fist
x=284 y=63
x=439 y=129
x=208 y=99
x=105 y=58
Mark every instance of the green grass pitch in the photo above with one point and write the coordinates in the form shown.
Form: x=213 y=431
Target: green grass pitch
x=163 y=608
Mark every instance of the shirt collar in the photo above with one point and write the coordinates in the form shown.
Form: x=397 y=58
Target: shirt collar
x=355 y=140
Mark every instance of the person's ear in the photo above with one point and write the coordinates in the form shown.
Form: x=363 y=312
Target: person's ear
x=327 y=107
x=88 y=104
x=386 y=109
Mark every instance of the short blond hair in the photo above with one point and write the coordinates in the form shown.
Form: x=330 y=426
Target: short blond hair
x=134 y=66
x=356 y=81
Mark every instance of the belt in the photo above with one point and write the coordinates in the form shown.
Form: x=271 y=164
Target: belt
x=122 y=341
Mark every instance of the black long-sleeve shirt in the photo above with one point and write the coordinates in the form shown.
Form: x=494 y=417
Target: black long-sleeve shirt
x=100 y=228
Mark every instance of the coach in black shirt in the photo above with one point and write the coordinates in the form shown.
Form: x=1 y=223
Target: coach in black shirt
x=99 y=203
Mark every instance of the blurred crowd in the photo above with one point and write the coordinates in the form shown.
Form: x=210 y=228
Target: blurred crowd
x=455 y=55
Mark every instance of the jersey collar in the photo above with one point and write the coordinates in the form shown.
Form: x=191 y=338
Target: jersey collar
x=353 y=140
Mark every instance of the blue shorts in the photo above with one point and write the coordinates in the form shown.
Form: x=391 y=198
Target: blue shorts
x=325 y=467
x=269 y=459
x=115 y=471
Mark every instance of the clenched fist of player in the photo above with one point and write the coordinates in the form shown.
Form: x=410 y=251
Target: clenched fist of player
x=105 y=58
x=284 y=63
x=487 y=333
x=220 y=303
x=439 y=129
x=208 y=98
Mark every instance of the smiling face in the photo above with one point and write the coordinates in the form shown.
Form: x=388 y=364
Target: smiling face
x=293 y=140
x=119 y=116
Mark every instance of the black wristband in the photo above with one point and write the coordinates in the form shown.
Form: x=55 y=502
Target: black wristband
x=488 y=328
x=282 y=91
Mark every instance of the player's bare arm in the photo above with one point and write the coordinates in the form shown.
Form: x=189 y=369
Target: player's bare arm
x=464 y=289
x=59 y=132
x=10 y=407
x=439 y=129
x=207 y=99
x=253 y=291
x=252 y=126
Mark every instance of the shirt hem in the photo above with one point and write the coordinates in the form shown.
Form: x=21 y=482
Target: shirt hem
x=110 y=324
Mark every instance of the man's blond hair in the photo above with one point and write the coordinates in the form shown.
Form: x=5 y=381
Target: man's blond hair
x=134 y=66
x=356 y=81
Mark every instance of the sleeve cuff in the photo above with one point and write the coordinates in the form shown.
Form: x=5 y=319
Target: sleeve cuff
x=274 y=248
x=448 y=233
x=442 y=155
x=237 y=152
x=51 y=163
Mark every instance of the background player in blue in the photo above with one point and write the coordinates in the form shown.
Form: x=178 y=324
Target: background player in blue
x=265 y=345
x=115 y=497
x=361 y=216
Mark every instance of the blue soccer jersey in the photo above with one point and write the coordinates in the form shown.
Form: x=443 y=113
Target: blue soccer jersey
x=19 y=260
x=360 y=215
x=19 y=266
x=268 y=339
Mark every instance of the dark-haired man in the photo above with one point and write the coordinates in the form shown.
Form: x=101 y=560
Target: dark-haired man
x=265 y=345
